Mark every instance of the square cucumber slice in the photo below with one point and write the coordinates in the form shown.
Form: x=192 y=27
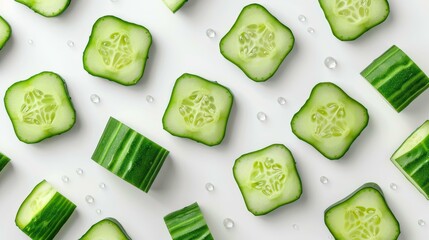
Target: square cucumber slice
x=106 y=229
x=5 y=32
x=46 y=8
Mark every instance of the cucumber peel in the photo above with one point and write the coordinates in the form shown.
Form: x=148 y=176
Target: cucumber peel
x=106 y=229
x=4 y=160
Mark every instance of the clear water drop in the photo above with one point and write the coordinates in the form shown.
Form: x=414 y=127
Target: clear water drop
x=65 y=179
x=311 y=30
x=393 y=186
x=79 y=171
x=421 y=222
x=295 y=226
x=324 y=180
x=228 y=223
x=302 y=18
x=89 y=199
x=281 y=100
x=210 y=33
x=70 y=43
x=98 y=211
x=149 y=99
x=210 y=187
x=261 y=116
x=102 y=185
x=95 y=98
x=30 y=41
x=330 y=63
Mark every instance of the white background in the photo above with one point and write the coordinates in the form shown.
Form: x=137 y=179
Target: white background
x=180 y=45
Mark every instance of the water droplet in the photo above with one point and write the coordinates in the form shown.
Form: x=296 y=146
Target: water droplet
x=210 y=187
x=393 y=186
x=102 y=185
x=311 y=30
x=281 y=100
x=330 y=62
x=149 y=99
x=210 y=33
x=79 y=171
x=65 y=179
x=324 y=180
x=302 y=18
x=228 y=223
x=89 y=199
x=95 y=98
x=70 y=43
x=30 y=41
x=421 y=222
x=261 y=116
x=98 y=211
x=295 y=226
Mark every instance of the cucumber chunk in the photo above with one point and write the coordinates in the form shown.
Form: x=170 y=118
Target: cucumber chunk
x=268 y=179
x=106 y=229
x=364 y=214
x=396 y=77
x=47 y=8
x=257 y=43
x=349 y=19
x=43 y=212
x=412 y=158
x=174 y=5
x=40 y=107
x=5 y=32
x=198 y=109
x=330 y=120
x=117 y=50
x=129 y=155
x=4 y=160
x=188 y=224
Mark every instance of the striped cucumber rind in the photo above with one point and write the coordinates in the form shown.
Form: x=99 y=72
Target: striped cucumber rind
x=4 y=160
x=188 y=224
x=396 y=77
x=129 y=155
x=412 y=158
x=106 y=229
x=43 y=212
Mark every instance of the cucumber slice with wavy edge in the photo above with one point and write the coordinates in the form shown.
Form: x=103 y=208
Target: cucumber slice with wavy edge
x=174 y=5
x=5 y=32
x=43 y=212
x=412 y=158
x=188 y=224
x=40 y=107
x=364 y=214
x=396 y=77
x=106 y=229
x=46 y=8
x=4 y=160
x=117 y=50
x=349 y=19
x=268 y=179
x=198 y=109
x=129 y=155
x=257 y=43
x=330 y=120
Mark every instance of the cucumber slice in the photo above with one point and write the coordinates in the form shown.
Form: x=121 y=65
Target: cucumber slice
x=349 y=19
x=174 y=5
x=117 y=50
x=129 y=155
x=257 y=43
x=268 y=179
x=5 y=32
x=188 y=224
x=43 y=212
x=364 y=214
x=40 y=107
x=4 y=160
x=198 y=109
x=396 y=77
x=47 y=8
x=330 y=120
x=412 y=158
x=106 y=229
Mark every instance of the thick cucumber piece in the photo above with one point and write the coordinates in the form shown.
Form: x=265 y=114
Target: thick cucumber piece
x=43 y=212
x=412 y=158
x=174 y=5
x=188 y=224
x=4 y=160
x=330 y=120
x=396 y=77
x=268 y=179
x=5 y=32
x=198 y=109
x=47 y=8
x=349 y=19
x=106 y=229
x=362 y=215
x=257 y=43
x=117 y=50
x=40 y=107
x=129 y=155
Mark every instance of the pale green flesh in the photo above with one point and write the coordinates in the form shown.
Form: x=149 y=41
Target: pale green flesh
x=117 y=50
x=174 y=5
x=47 y=8
x=36 y=118
x=198 y=109
x=5 y=32
x=105 y=230
x=351 y=18
x=257 y=43
x=267 y=179
x=412 y=141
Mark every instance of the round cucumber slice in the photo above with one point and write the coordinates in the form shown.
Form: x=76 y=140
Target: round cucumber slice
x=5 y=32
x=46 y=8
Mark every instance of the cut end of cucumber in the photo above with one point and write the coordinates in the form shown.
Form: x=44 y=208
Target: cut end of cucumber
x=362 y=215
x=117 y=50
x=330 y=120
x=5 y=32
x=257 y=43
x=268 y=179
x=47 y=8
x=349 y=19
x=106 y=229
x=174 y=5
x=4 y=160
x=198 y=109
x=40 y=107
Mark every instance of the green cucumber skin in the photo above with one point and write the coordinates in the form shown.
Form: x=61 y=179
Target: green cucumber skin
x=179 y=221
x=110 y=151
x=4 y=160
x=400 y=89
x=110 y=219
x=10 y=32
x=41 y=13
